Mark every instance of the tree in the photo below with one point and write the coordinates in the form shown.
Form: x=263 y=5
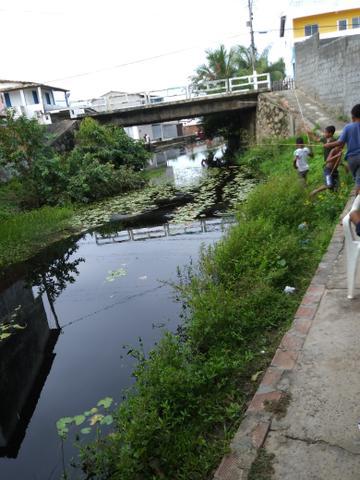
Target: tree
x=103 y=163
x=221 y=63
x=109 y=144
x=237 y=62
x=22 y=142
x=243 y=60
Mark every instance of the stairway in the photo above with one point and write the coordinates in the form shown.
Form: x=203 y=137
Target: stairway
x=316 y=115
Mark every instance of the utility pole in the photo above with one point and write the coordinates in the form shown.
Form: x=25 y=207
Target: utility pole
x=252 y=43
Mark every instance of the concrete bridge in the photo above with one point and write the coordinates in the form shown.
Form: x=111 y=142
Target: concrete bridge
x=238 y=93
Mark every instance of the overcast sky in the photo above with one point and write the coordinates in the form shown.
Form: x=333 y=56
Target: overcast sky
x=59 y=42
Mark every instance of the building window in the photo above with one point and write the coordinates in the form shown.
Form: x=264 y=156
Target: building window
x=35 y=96
x=356 y=22
x=311 y=29
x=342 y=25
x=47 y=98
x=7 y=100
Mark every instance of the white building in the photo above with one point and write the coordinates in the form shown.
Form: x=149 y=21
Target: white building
x=34 y=100
x=157 y=131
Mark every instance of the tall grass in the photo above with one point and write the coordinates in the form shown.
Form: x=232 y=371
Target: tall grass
x=23 y=234
x=191 y=392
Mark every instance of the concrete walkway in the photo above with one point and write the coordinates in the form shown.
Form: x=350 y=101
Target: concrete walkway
x=319 y=437
x=306 y=411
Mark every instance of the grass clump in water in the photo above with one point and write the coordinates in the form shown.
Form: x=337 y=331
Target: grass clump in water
x=22 y=234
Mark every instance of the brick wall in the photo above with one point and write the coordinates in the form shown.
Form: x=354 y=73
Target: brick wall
x=328 y=70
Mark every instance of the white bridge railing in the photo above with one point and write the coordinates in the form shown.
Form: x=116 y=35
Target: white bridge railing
x=111 y=103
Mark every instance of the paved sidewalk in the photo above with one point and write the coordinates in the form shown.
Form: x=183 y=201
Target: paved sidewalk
x=316 y=370
x=319 y=437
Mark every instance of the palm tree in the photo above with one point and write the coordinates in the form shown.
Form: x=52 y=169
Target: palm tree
x=221 y=63
x=237 y=61
x=243 y=59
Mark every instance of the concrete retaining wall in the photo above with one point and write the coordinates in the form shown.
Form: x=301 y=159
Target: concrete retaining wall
x=329 y=71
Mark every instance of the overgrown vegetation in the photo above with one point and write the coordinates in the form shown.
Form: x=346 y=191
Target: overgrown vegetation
x=192 y=390
x=23 y=234
x=103 y=163
x=40 y=189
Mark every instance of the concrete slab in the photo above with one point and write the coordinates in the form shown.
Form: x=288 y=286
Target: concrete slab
x=319 y=437
x=299 y=460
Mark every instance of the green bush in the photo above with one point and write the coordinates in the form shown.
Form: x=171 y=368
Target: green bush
x=104 y=162
x=109 y=143
x=94 y=180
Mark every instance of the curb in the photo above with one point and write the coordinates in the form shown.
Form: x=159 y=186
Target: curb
x=253 y=430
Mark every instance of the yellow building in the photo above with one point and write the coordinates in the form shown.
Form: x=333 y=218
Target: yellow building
x=329 y=25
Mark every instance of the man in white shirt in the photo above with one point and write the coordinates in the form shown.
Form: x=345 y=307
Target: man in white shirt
x=301 y=156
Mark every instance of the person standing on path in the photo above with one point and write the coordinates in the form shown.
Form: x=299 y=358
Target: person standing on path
x=351 y=137
x=301 y=156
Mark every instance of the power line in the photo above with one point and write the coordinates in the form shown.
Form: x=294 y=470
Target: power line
x=142 y=60
x=174 y=52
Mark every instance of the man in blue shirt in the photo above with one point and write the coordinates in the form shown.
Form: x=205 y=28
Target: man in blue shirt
x=351 y=137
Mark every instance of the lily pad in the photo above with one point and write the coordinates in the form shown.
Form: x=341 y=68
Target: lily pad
x=107 y=420
x=85 y=430
x=105 y=402
x=114 y=274
x=79 y=419
x=96 y=419
x=3 y=336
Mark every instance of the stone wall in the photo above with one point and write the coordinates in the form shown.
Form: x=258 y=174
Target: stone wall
x=272 y=120
x=328 y=70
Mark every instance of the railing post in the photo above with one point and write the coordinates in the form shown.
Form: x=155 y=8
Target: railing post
x=268 y=80
x=255 y=80
x=227 y=86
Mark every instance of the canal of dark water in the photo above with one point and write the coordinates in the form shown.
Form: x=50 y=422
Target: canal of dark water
x=81 y=302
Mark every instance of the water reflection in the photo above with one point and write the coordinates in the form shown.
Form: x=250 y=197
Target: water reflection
x=26 y=357
x=165 y=230
x=25 y=362
x=59 y=273
x=184 y=165
x=97 y=317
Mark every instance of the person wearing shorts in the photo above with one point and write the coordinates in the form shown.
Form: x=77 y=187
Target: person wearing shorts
x=351 y=137
x=301 y=156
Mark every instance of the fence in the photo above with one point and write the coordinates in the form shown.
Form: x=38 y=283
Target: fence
x=285 y=84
